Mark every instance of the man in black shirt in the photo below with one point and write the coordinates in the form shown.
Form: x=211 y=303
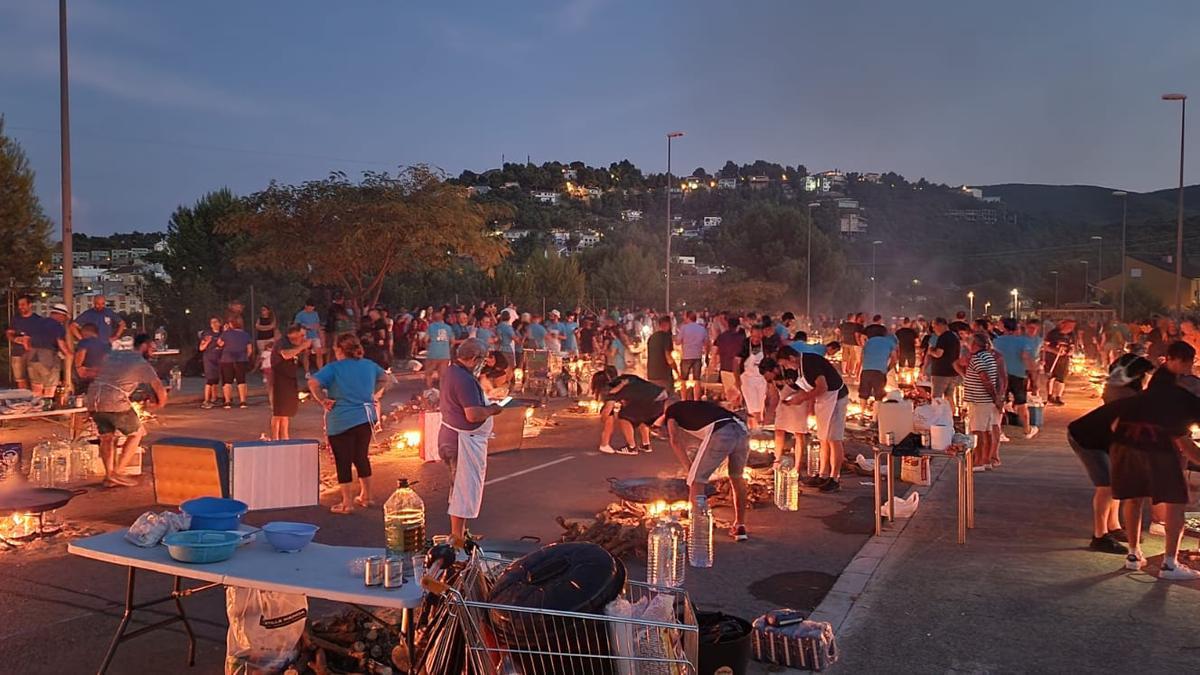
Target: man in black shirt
x=960 y=323
x=821 y=385
x=660 y=365
x=1056 y=355
x=640 y=404
x=723 y=438
x=851 y=350
x=907 y=339
x=587 y=337
x=941 y=357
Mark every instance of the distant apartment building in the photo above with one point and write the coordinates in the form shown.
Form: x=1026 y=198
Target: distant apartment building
x=871 y=177
x=851 y=223
x=560 y=237
x=545 y=196
x=710 y=222
x=985 y=216
x=847 y=203
x=705 y=270
x=587 y=238
x=479 y=190
x=101 y=257
x=758 y=182
x=594 y=193
x=825 y=181
x=727 y=183
x=631 y=215
x=685 y=260
x=693 y=183
x=516 y=234
x=974 y=192
x=570 y=174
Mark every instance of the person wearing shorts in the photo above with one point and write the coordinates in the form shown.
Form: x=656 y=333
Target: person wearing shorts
x=635 y=404
x=789 y=419
x=1090 y=437
x=19 y=337
x=693 y=345
x=236 y=348
x=821 y=385
x=210 y=358
x=109 y=401
x=723 y=439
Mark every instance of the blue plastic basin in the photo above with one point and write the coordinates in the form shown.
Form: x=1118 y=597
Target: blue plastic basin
x=289 y=537
x=201 y=546
x=214 y=513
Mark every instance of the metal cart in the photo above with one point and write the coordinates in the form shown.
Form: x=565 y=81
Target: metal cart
x=507 y=640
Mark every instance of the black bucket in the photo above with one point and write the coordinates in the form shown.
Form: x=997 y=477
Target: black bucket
x=724 y=644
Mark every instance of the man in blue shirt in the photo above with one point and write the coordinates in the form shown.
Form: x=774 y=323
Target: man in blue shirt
x=800 y=344
x=439 y=335
x=536 y=332
x=878 y=357
x=47 y=349
x=311 y=321
x=18 y=333
x=1020 y=353
x=109 y=325
x=506 y=336
x=554 y=326
x=569 y=328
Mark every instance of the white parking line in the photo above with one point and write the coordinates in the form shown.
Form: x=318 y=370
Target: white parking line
x=529 y=470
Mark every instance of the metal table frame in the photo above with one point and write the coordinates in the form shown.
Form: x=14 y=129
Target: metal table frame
x=965 y=492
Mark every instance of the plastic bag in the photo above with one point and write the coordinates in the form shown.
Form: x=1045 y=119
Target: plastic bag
x=905 y=508
x=265 y=628
x=937 y=412
x=865 y=463
x=150 y=528
x=915 y=470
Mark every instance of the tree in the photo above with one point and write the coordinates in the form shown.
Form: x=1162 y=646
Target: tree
x=544 y=276
x=24 y=227
x=627 y=275
x=354 y=234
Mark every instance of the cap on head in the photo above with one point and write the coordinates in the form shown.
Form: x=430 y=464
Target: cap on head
x=59 y=308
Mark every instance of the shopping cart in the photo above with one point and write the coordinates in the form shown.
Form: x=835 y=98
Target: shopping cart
x=508 y=640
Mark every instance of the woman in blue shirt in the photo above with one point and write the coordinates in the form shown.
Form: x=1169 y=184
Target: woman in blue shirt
x=349 y=389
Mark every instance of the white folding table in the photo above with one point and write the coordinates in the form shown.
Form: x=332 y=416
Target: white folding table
x=48 y=416
x=317 y=571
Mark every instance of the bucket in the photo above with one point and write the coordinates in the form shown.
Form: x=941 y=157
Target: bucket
x=940 y=436
x=1037 y=416
x=724 y=644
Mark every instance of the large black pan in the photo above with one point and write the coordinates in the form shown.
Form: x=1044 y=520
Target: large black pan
x=646 y=490
x=35 y=499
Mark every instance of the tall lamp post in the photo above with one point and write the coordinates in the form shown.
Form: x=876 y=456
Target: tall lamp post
x=1054 y=273
x=670 y=136
x=971 y=302
x=986 y=306
x=874 y=245
x=1182 y=98
x=64 y=131
x=1124 y=219
x=1099 y=257
x=1016 y=303
x=1086 y=276
x=808 y=267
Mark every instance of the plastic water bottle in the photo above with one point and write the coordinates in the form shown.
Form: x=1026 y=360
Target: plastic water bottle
x=60 y=464
x=666 y=560
x=812 y=456
x=404 y=522
x=39 y=465
x=176 y=380
x=700 y=538
x=787 y=485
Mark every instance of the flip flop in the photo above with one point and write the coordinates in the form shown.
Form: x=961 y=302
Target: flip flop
x=365 y=503
x=341 y=509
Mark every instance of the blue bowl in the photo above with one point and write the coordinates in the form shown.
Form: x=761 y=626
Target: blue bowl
x=289 y=537
x=214 y=513
x=201 y=546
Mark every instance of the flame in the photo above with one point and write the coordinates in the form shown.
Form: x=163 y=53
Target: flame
x=518 y=374
x=18 y=526
x=663 y=507
x=528 y=413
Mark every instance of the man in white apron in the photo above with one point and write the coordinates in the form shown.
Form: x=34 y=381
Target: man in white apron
x=754 y=387
x=723 y=437
x=821 y=385
x=789 y=419
x=463 y=438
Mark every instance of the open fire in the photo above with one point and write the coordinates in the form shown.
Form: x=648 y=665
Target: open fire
x=19 y=529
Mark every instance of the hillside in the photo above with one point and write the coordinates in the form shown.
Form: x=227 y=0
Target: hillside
x=1090 y=204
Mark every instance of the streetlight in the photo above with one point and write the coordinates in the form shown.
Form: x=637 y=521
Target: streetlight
x=986 y=306
x=874 y=244
x=1085 y=280
x=670 y=136
x=1055 y=274
x=808 y=267
x=1124 y=217
x=971 y=300
x=1016 y=302
x=1099 y=257
x=1182 y=98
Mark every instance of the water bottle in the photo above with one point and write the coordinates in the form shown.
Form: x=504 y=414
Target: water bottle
x=176 y=380
x=700 y=538
x=787 y=485
x=60 y=464
x=160 y=337
x=813 y=457
x=404 y=523
x=39 y=465
x=81 y=461
x=679 y=538
x=658 y=554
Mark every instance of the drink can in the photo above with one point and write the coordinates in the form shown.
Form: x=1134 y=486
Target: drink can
x=891 y=438
x=924 y=439
x=373 y=568
x=393 y=572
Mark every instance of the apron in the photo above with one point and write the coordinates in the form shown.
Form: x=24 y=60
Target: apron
x=824 y=405
x=754 y=385
x=705 y=435
x=791 y=418
x=470 y=469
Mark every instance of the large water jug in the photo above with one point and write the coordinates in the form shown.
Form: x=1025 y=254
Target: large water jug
x=176 y=380
x=812 y=456
x=39 y=466
x=60 y=463
x=666 y=562
x=700 y=537
x=404 y=522
x=787 y=484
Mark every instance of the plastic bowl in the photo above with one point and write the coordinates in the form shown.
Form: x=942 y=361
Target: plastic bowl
x=214 y=513
x=201 y=546
x=289 y=537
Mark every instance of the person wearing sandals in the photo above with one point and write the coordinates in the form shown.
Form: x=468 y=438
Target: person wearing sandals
x=349 y=388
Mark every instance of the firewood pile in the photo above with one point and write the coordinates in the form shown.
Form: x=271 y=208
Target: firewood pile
x=760 y=488
x=621 y=529
x=351 y=642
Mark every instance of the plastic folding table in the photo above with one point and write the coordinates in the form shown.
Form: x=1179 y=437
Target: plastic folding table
x=317 y=571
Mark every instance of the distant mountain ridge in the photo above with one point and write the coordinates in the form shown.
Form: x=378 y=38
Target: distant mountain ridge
x=1090 y=204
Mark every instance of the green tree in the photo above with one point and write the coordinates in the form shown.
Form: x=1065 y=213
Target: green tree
x=354 y=234
x=625 y=275
x=24 y=227
x=544 y=276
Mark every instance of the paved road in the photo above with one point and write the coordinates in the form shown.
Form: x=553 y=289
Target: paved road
x=66 y=608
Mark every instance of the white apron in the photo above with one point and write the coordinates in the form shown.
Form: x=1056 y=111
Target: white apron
x=754 y=385
x=823 y=406
x=791 y=418
x=705 y=435
x=470 y=470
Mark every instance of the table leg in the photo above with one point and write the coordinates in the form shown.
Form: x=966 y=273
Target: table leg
x=410 y=633
x=971 y=489
x=125 y=617
x=962 y=469
x=878 y=488
x=178 y=594
x=891 y=492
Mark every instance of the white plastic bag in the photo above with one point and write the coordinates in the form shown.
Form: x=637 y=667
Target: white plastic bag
x=865 y=463
x=265 y=628
x=937 y=412
x=150 y=528
x=905 y=508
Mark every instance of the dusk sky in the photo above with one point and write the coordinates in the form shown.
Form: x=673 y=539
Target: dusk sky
x=173 y=99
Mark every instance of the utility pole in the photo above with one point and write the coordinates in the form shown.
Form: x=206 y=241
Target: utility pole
x=670 y=135
x=64 y=108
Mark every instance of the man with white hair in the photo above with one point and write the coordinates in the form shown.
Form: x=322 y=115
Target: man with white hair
x=463 y=439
